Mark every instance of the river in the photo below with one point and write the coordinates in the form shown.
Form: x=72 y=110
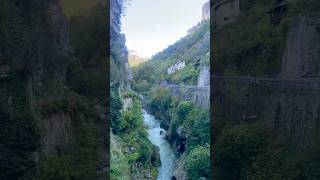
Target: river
x=167 y=155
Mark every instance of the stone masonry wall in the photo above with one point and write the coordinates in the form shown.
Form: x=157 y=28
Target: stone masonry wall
x=290 y=108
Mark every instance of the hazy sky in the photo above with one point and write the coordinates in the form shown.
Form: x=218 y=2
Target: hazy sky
x=152 y=25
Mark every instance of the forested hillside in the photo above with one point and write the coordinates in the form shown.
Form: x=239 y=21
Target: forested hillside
x=191 y=48
x=186 y=123
x=52 y=113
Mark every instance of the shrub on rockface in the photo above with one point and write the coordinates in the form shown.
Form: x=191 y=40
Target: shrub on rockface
x=160 y=102
x=197 y=127
x=251 y=51
x=19 y=139
x=198 y=163
x=119 y=168
x=236 y=149
x=188 y=75
x=115 y=111
x=132 y=118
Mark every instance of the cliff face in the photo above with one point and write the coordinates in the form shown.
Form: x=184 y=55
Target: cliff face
x=35 y=53
x=206 y=11
x=283 y=106
x=119 y=52
x=288 y=105
x=204 y=77
x=56 y=124
x=301 y=58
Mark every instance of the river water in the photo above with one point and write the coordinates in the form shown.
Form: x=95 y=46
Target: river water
x=167 y=156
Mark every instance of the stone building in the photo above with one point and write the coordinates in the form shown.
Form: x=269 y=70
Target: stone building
x=176 y=67
x=225 y=11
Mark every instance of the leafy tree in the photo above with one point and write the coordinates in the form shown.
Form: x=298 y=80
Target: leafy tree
x=198 y=163
x=236 y=149
x=132 y=118
x=197 y=127
x=182 y=111
x=115 y=111
x=160 y=103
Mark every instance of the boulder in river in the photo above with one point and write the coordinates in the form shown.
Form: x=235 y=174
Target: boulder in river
x=155 y=157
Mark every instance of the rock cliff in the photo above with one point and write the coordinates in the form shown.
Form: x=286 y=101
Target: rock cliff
x=119 y=52
x=206 y=11
x=36 y=50
x=301 y=57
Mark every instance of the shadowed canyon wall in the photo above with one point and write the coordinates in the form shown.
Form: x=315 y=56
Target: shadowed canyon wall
x=290 y=108
x=289 y=105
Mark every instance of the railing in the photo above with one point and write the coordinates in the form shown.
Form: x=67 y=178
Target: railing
x=306 y=84
x=182 y=86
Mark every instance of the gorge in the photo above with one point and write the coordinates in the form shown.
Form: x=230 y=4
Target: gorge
x=164 y=141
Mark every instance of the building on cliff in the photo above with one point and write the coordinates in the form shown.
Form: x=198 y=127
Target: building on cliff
x=225 y=11
x=176 y=67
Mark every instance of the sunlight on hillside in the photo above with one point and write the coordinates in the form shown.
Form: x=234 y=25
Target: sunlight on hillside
x=78 y=7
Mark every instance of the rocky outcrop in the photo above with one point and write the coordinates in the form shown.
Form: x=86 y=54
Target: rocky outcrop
x=206 y=11
x=302 y=54
x=177 y=140
x=204 y=76
x=127 y=103
x=58 y=127
x=119 y=52
x=155 y=157
x=180 y=173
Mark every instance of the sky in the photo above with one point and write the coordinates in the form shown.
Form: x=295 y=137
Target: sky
x=152 y=25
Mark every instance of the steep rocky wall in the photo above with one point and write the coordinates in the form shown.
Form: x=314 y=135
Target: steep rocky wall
x=179 y=172
x=206 y=11
x=301 y=58
x=48 y=80
x=119 y=52
x=204 y=76
x=58 y=128
x=290 y=108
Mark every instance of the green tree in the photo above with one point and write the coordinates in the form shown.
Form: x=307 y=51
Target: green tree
x=198 y=163
x=197 y=127
x=236 y=149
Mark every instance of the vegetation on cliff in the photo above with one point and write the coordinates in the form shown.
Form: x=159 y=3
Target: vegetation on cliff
x=252 y=150
x=51 y=128
x=187 y=120
x=256 y=49
x=193 y=47
x=85 y=101
x=132 y=159
x=134 y=144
